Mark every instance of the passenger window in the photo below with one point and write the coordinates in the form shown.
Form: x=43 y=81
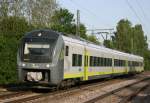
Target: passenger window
x=101 y=62
x=91 y=61
x=98 y=61
x=76 y=60
x=74 y=57
x=94 y=61
x=79 y=60
x=109 y=62
x=67 y=50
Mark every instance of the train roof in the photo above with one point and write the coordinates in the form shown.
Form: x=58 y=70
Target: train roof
x=43 y=33
x=92 y=45
x=75 y=39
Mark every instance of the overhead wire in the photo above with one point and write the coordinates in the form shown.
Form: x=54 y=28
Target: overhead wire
x=137 y=16
x=130 y=6
x=133 y=10
x=87 y=10
x=144 y=14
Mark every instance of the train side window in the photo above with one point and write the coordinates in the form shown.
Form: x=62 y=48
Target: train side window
x=67 y=50
x=98 y=61
x=128 y=63
x=74 y=57
x=105 y=61
x=101 y=61
x=120 y=63
x=91 y=60
x=95 y=63
x=79 y=60
x=116 y=62
x=110 y=62
x=76 y=60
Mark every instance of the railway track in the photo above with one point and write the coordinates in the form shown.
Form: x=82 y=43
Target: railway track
x=12 y=97
x=119 y=92
x=93 y=93
x=14 y=94
x=28 y=96
x=132 y=95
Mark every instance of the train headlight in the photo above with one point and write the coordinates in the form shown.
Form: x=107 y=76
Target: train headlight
x=23 y=64
x=47 y=65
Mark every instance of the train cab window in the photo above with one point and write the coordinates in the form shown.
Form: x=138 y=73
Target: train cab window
x=67 y=50
x=76 y=60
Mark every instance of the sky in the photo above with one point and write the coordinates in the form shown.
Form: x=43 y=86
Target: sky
x=101 y=14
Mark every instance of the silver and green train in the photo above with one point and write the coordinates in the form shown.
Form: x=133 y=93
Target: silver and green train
x=48 y=57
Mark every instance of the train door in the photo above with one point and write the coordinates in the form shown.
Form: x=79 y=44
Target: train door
x=86 y=64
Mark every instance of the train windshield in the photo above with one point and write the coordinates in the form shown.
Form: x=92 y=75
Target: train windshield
x=38 y=51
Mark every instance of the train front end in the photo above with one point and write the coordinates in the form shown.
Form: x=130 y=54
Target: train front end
x=40 y=58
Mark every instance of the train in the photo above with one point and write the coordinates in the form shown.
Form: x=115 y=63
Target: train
x=51 y=58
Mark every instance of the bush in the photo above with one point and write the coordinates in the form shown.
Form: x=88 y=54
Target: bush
x=11 y=30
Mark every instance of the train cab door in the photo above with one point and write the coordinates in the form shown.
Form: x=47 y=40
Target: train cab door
x=86 y=65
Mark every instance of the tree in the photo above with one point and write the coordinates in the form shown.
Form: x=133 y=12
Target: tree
x=93 y=39
x=11 y=32
x=147 y=60
x=139 y=46
x=108 y=44
x=83 y=31
x=41 y=11
x=63 y=21
x=131 y=40
x=37 y=12
x=4 y=8
x=14 y=26
x=123 y=36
